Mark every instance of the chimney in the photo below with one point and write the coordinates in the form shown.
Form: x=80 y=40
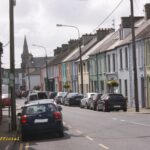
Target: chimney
x=64 y=47
x=72 y=44
x=101 y=33
x=57 y=51
x=87 y=38
x=147 y=11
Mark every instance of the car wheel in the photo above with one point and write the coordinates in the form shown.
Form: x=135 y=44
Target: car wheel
x=125 y=109
x=86 y=106
x=97 y=108
x=104 y=109
x=61 y=133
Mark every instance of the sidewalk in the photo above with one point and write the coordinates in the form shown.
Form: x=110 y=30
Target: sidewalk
x=141 y=110
x=7 y=137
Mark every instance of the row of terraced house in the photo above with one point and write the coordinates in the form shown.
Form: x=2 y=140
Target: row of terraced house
x=106 y=55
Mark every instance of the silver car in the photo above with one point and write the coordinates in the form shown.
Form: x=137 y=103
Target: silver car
x=85 y=101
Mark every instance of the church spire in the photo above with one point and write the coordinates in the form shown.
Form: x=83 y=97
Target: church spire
x=25 y=47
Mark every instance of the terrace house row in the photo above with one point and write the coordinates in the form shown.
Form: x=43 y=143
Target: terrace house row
x=107 y=55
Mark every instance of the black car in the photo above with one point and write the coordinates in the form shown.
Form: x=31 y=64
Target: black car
x=109 y=102
x=73 y=99
x=42 y=116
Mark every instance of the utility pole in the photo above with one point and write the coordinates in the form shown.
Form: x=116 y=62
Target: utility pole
x=12 y=66
x=134 y=60
x=1 y=51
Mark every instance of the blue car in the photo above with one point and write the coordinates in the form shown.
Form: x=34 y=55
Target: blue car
x=42 y=116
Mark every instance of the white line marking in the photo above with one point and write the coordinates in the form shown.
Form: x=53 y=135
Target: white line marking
x=122 y=120
x=103 y=146
x=146 y=125
x=78 y=131
x=114 y=118
x=89 y=138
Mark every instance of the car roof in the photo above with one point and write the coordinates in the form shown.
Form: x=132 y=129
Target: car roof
x=43 y=101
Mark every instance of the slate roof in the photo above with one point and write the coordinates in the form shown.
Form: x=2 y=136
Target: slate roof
x=58 y=58
x=84 y=49
x=112 y=41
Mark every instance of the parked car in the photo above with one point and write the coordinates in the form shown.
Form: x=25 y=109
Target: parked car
x=112 y=102
x=73 y=99
x=59 y=97
x=93 y=102
x=52 y=95
x=36 y=95
x=40 y=116
x=6 y=100
x=86 y=99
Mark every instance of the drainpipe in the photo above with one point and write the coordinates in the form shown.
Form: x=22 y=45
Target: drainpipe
x=1 y=51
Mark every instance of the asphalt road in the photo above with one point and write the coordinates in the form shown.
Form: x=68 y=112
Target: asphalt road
x=92 y=130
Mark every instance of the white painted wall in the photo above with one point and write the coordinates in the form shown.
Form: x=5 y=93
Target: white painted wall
x=34 y=81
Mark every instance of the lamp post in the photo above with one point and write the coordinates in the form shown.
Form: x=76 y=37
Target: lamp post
x=45 y=63
x=80 y=52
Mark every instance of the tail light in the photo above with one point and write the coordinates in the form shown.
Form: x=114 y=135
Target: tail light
x=57 y=115
x=24 y=119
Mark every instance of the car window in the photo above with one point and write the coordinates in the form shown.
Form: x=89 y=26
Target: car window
x=33 y=97
x=116 y=96
x=42 y=96
x=42 y=108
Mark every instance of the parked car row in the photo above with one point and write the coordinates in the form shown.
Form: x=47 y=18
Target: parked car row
x=104 y=102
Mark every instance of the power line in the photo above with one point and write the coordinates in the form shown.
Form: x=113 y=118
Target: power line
x=109 y=15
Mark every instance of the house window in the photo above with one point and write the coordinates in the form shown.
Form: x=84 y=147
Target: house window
x=114 y=63
x=120 y=85
x=120 y=58
x=126 y=57
x=102 y=85
x=126 y=87
x=79 y=68
x=108 y=63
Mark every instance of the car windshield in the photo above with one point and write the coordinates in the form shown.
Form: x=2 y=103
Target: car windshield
x=40 y=108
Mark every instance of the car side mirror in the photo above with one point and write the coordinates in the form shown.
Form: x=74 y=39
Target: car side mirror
x=59 y=108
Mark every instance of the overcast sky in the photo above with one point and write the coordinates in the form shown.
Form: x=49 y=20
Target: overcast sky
x=37 y=20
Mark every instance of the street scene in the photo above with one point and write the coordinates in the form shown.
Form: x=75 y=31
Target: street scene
x=75 y=74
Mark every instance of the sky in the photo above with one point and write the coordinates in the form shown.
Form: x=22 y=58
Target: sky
x=37 y=19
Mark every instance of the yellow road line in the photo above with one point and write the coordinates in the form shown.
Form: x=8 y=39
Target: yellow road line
x=103 y=146
x=26 y=146
x=20 y=146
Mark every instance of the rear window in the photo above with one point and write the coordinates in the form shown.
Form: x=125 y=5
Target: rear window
x=115 y=96
x=42 y=96
x=33 y=97
x=36 y=109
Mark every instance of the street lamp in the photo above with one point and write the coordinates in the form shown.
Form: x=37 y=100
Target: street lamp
x=80 y=53
x=45 y=63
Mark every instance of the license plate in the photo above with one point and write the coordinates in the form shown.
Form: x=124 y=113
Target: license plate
x=40 y=120
x=117 y=106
